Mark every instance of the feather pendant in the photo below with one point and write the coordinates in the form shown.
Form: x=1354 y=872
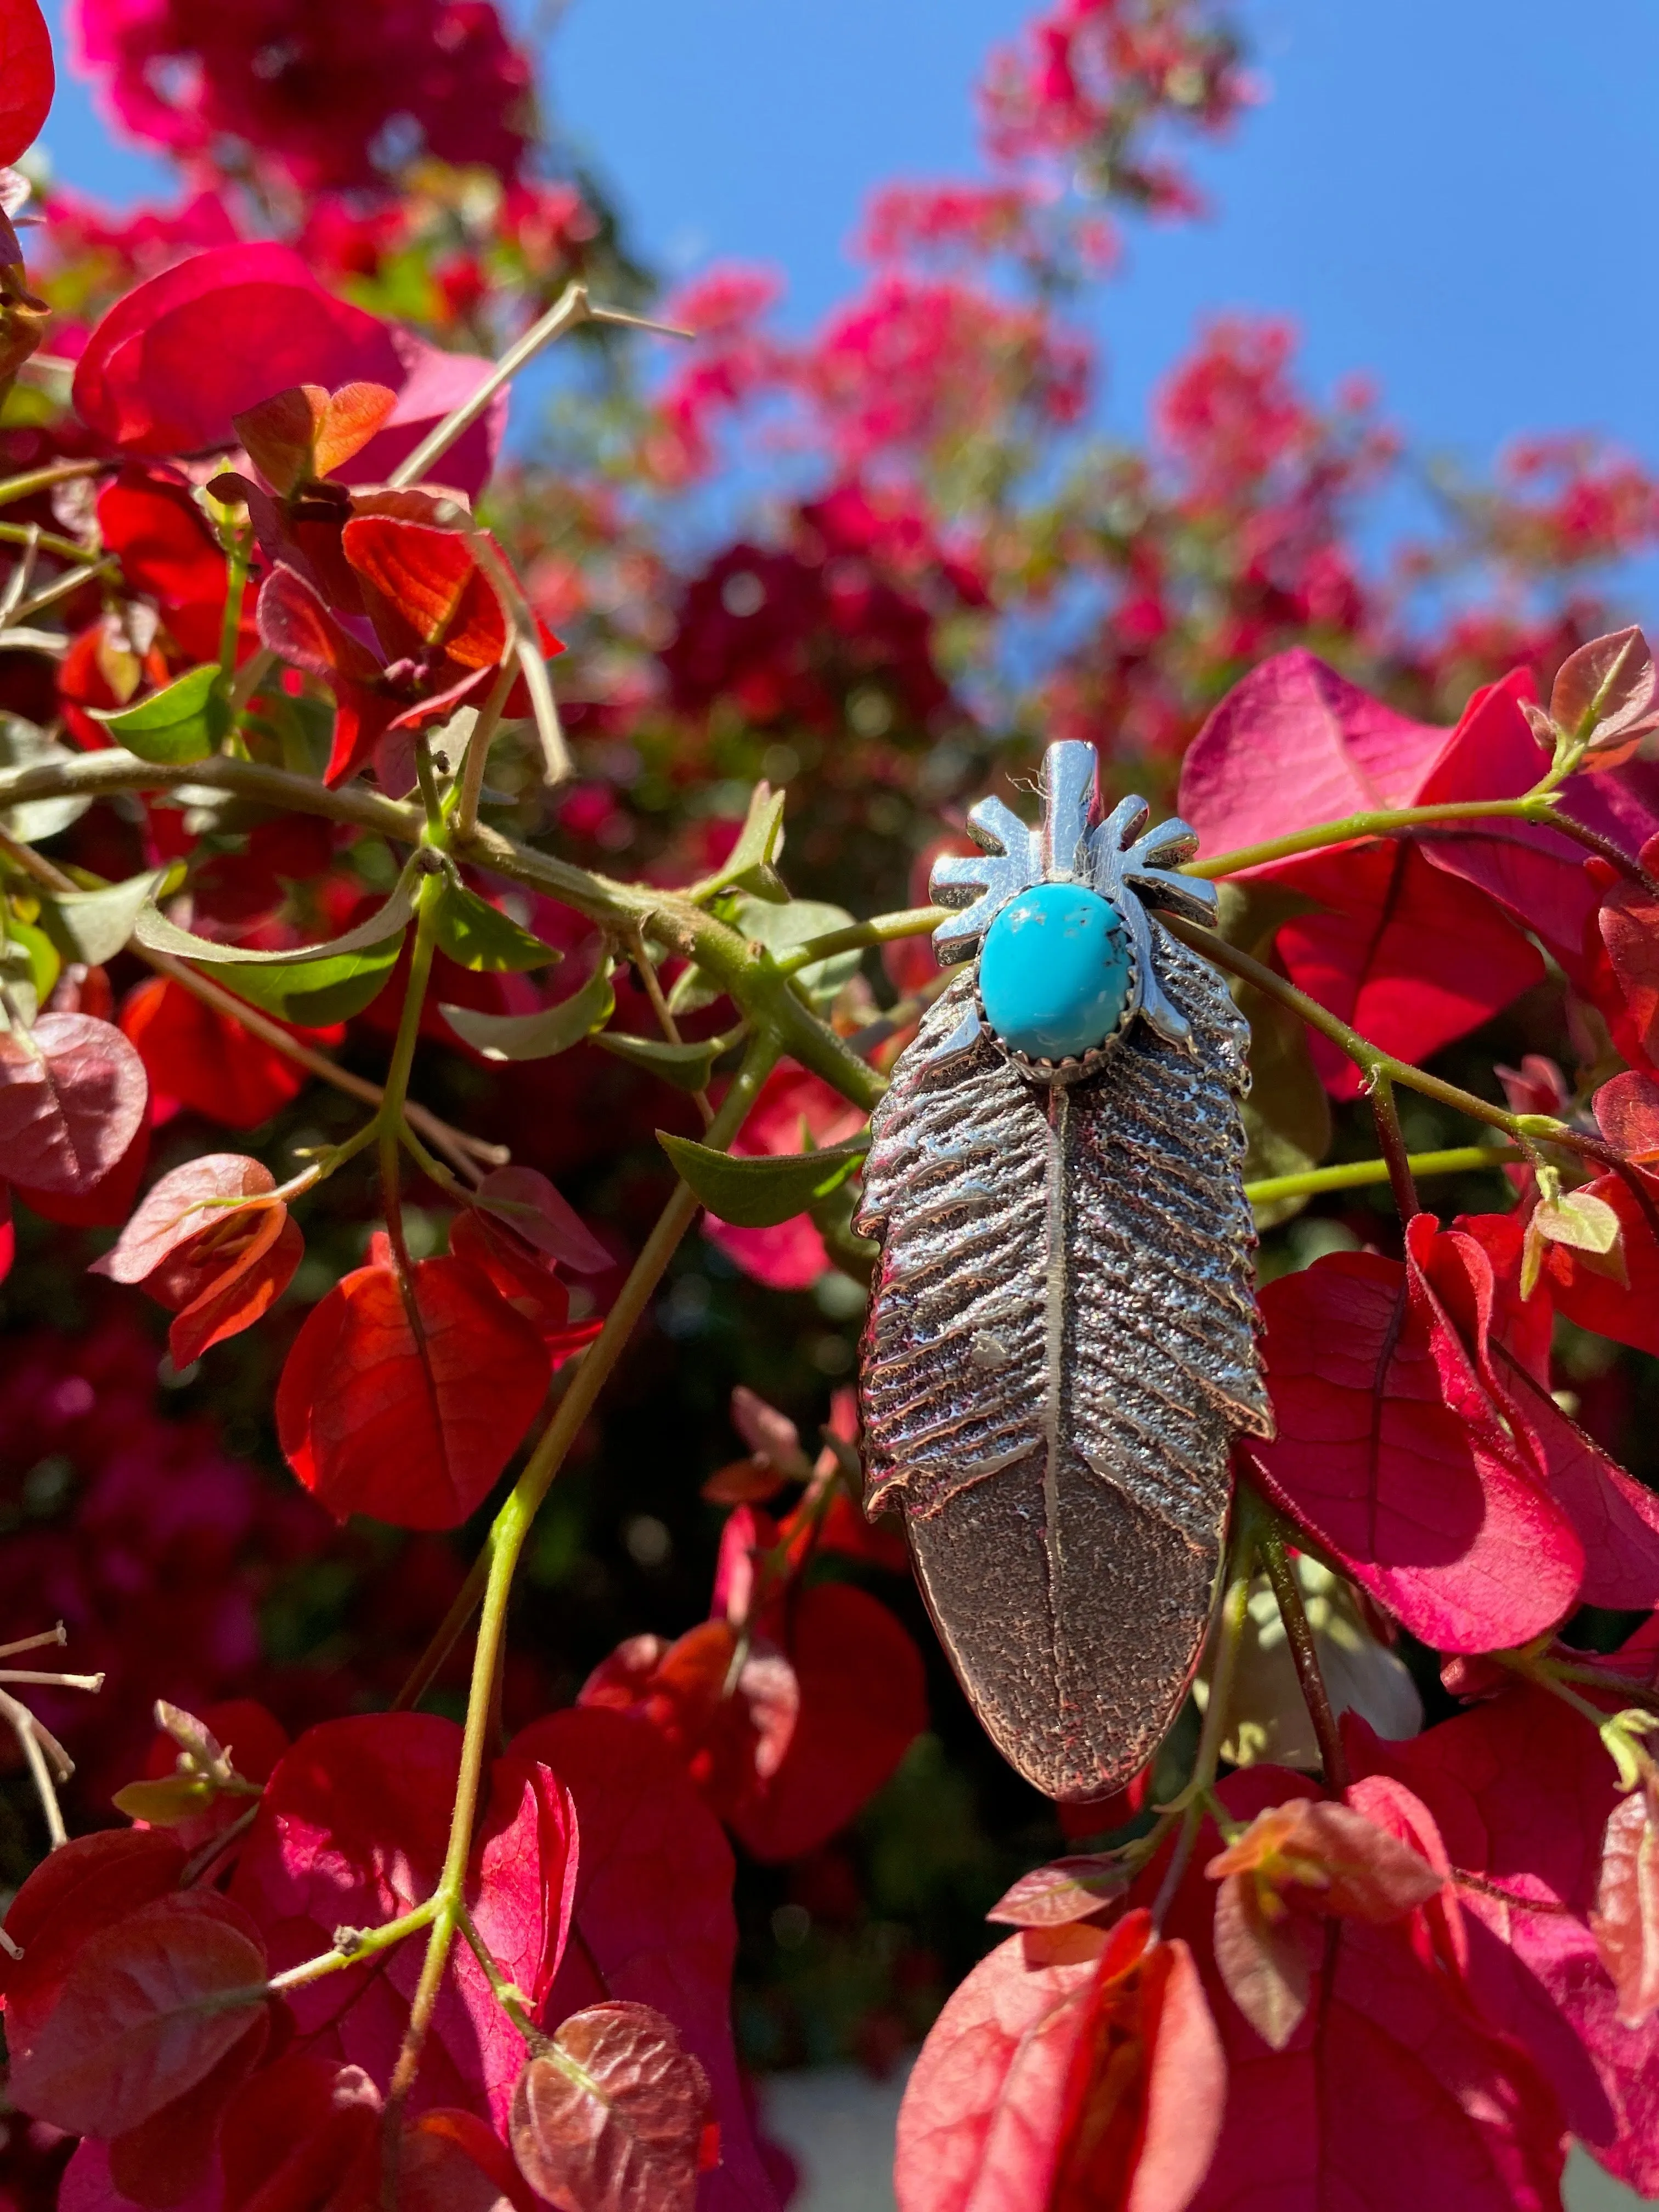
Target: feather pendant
x=1060 y=1342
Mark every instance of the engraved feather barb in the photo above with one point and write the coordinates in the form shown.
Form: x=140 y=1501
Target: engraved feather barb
x=1060 y=1344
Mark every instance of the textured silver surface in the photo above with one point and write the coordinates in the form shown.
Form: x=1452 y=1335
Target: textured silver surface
x=1061 y=1344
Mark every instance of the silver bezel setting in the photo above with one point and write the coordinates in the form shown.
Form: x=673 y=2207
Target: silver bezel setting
x=1076 y=1068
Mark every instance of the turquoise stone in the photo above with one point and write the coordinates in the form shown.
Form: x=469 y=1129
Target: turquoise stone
x=1053 y=972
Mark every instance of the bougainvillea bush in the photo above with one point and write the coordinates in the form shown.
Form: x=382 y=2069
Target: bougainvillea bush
x=456 y=916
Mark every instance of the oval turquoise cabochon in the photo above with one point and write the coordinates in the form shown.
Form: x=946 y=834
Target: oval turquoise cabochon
x=1053 y=971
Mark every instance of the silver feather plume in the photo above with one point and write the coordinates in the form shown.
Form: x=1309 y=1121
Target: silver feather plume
x=1060 y=1341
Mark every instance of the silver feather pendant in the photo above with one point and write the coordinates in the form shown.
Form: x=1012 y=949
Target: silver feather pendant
x=1060 y=1342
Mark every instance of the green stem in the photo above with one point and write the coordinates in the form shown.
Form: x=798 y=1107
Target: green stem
x=509 y=1999
x=65 y=549
x=363 y=1943
x=1616 y=1685
x=390 y=1118
x=1356 y=1174
x=645 y=968
x=230 y=628
x=881 y=929
x=427 y=779
x=1536 y=806
x=500 y=1554
x=492 y=1575
x=527 y=651
x=431 y=1167
x=47 y=479
x=63 y=587
x=248 y=678
x=1532 y=1665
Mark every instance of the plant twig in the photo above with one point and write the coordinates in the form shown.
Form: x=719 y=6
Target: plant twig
x=247 y=681
x=880 y=929
x=1392 y=1142
x=477 y=753
x=1298 y=1634
x=672 y=921
x=532 y=662
x=645 y=968
x=463 y=1148
x=64 y=548
x=1537 y=807
x=63 y=587
x=571 y=306
x=48 y=478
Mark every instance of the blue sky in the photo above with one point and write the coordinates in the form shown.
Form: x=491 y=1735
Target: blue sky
x=1454 y=196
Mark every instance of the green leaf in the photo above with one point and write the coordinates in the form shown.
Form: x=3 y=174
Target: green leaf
x=94 y=926
x=784 y=929
x=311 y=994
x=21 y=745
x=478 y=936
x=759 y=1193
x=687 y=1065
x=30 y=953
x=154 y=929
x=183 y=721
x=749 y=865
x=536 y=1036
x=168 y=1803
x=692 y=991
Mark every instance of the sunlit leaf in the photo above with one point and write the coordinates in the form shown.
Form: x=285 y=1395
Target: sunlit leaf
x=479 y=936
x=152 y=928
x=749 y=864
x=72 y=1097
x=94 y=926
x=183 y=721
x=537 y=1037
x=22 y=746
x=408 y=1405
x=687 y=1066
x=30 y=948
x=315 y=993
x=784 y=929
x=611 y=2116
x=1064 y=1890
x=759 y=1193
